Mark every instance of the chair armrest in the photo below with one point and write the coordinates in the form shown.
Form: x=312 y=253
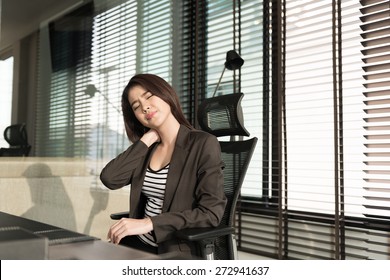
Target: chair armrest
x=198 y=234
x=119 y=215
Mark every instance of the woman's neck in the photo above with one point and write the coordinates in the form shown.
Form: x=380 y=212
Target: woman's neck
x=168 y=132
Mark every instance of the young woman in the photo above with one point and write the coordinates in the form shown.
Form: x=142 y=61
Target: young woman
x=175 y=171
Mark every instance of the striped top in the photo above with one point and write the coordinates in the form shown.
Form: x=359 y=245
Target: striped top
x=154 y=191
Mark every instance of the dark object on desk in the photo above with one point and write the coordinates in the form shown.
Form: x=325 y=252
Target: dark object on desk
x=19 y=244
x=55 y=235
x=16 y=137
x=61 y=236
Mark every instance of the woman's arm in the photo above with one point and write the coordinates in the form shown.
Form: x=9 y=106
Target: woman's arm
x=128 y=226
x=119 y=171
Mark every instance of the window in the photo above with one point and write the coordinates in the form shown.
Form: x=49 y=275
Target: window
x=63 y=107
x=375 y=41
x=316 y=95
x=6 y=80
x=225 y=20
x=217 y=27
x=330 y=144
x=95 y=50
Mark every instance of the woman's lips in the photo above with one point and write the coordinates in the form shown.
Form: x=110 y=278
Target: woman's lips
x=149 y=116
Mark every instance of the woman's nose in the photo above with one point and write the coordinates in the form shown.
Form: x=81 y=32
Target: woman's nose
x=145 y=108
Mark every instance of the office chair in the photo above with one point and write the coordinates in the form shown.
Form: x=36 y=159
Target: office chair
x=16 y=137
x=222 y=116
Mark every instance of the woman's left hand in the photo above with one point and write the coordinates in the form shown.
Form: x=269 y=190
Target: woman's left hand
x=128 y=226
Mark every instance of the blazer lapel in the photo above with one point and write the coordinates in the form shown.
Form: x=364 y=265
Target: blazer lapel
x=176 y=166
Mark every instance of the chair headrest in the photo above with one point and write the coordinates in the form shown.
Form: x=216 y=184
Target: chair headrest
x=16 y=135
x=222 y=115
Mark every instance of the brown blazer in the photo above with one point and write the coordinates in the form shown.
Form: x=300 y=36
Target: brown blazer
x=194 y=195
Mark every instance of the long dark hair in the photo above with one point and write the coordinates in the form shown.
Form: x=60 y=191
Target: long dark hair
x=158 y=87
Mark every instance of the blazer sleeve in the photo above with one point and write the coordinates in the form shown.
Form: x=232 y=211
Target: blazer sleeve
x=120 y=170
x=203 y=205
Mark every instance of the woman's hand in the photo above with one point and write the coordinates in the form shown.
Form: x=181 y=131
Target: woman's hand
x=128 y=226
x=150 y=137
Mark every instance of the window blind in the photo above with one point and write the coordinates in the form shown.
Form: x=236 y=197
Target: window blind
x=237 y=25
x=155 y=42
x=251 y=79
x=375 y=26
x=113 y=63
x=334 y=199
x=193 y=56
x=316 y=84
x=62 y=110
x=80 y=113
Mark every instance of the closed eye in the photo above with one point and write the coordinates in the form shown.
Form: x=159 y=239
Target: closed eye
x=135 y=106
x=145 y=96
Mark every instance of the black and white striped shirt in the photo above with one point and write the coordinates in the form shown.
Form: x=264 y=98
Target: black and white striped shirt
x=154 y=190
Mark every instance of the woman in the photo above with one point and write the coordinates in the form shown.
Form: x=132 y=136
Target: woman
x=175 y=171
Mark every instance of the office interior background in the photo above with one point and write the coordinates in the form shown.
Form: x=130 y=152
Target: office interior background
x=316 y=84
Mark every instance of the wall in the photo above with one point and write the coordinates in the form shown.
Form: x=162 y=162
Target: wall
x=61 y=192
x=18 y=22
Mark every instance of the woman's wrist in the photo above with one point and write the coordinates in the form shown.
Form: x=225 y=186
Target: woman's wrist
x=149 y=224
x=150 y=137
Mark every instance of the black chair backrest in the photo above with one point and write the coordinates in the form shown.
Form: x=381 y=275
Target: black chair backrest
x=236 y=156
x=222 y=116
x=16 y=137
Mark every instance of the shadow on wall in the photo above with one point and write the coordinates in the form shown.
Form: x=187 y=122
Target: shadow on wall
x=100 y=202
x=51 y=203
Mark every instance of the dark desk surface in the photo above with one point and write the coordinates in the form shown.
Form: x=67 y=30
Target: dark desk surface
x=66 y=244
x=97 y=250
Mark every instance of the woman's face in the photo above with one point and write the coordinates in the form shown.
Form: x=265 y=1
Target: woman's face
x=150 y=110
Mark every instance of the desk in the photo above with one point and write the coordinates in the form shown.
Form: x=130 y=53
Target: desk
x=66 y=244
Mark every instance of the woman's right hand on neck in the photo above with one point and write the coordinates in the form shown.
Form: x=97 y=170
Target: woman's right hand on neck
x=150 y=137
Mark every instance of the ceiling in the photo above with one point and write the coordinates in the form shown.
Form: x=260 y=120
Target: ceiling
x=20 y=18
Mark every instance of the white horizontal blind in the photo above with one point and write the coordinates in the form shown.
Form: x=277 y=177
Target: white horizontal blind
x=375 y=26
x=132 y=37
x=80 y=114
x=155 y=43
x=309 y=106
x=113 y=64
x=62 y=106
x=251 y=25
x=222 y=37
x=308 y=217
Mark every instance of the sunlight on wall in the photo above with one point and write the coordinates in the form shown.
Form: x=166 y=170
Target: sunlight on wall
x=6 y=70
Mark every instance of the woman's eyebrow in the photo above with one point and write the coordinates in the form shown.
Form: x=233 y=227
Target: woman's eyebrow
x=143 y=94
